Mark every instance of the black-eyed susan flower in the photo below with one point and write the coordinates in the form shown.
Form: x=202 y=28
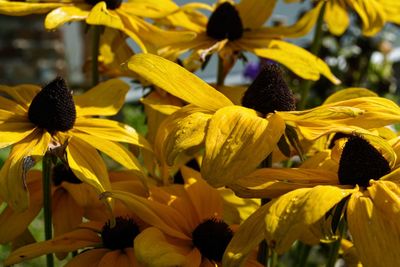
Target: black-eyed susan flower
x=35 y=120
x=236 y=138
x=127 y=17
x=374 y=14
x=72 y=201
x=99 y=244
x=187 y=226
x=365 y=186
x=236 y=27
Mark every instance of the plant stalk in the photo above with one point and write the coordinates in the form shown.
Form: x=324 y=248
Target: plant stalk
x=46 y=175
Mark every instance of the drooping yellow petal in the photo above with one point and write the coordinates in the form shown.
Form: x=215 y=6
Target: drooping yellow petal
x=187 y=133
x=87 y=164
x=152 y=249
x=272 y=183
x=371 y=13
x=13 y=8
x=292 y=215
x=245 y=239
x=66 y=243
x=149 y=8
x=65 y=14
x=336 y=17
x=349 y=93
x=297 y=59
x=374 y=226
x=255 y=13
x=105 y=99
x=111 y=130
x=100 y=15
x=177 y=81
x=22 y=94
x=14 y=223
x=237 y=141
x=115 y=151
x=162 y=216
x=13 y=132
x=13 y=173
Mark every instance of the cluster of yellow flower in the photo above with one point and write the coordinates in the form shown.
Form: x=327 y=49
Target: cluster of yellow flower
x=226 y=176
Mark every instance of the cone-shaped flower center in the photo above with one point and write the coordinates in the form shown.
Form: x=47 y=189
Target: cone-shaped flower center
x=111 y=4
x=224 y=23
x=269 y=92
x=212 y=237
x=62 y=173
x=121 y=235
x=361 y=162
x=53 y=107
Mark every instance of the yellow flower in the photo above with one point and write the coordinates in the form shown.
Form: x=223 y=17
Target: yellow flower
x=72 y=200
x=236 y=27
x=374 y=14
x=237 y=139
x=365 y=191
x=35 y=120
x=186 y=230
x=124 y=16
x=99 y=243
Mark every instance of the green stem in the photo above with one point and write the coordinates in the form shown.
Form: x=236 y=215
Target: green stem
x=303 y=252
x=334 y=249
x=262 y=255
x=314 y=49
x=46 y=174
x=96 y=30
x=274 y=260
x=220 y=73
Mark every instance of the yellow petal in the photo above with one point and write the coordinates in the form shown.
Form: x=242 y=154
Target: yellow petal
x=69 y=242
x=294 y=213
x=255 y=13
x=272 y=183
x=297 y=59
x=372 y=15
x=100 y=15
x=152 y=249
x=62 y=15
x=13 y=173
x=177 y=81
x=23 y=94
x=12 y=8
x=87 y=164
x=245 y=239
x=90 y=257
x=149 y=8
x=15 y=223
x=111 y=130
x=336 y=17
x=374 y=226
x=349 y=93
x=105 y=99
x=162 y=216
x=13 y=132
x=185 y=134
x=237 y=142
x=115 y=151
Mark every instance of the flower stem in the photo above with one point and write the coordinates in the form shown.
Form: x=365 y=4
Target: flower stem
x=334 y=249
x=220 y=73
x=303 y=251
x=315 y=47
x=262 y=255
x=96 y=30
x=46 y=174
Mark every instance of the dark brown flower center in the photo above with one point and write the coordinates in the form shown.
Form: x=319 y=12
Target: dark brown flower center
x=269 y=92
x=224 y=23
x=121 y=235
x=62 y=173
x=212 y=237
x=53 y=107
x=111 y=4
x=361 y=162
